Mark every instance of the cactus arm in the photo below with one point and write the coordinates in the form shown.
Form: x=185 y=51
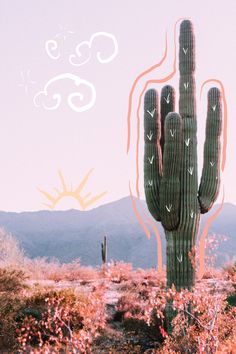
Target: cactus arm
x=167 y=106
x=210 y=180
x=152 y=153
x=170 y=182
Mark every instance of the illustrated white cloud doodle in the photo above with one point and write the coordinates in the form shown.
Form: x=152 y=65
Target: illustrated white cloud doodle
x=51 y=46
x=42 y=96
x=75 y=59
x=83 y=53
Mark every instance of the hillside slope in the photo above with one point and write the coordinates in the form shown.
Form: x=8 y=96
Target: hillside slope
x=72 y=234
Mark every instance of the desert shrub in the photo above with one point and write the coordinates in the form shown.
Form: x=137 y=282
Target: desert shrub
x=212 y=244
x=11 y=253
x=231 y=297
x=60 y=321
x=52 y=269
x=11 y=280
x=118 y=272
x=142 y=311
x=213 y=273
x=12 y=289
x=202 y=323
x=129 y=305
x=149 y=278
x=229 y=345
x=230 y=271
x=47 y=320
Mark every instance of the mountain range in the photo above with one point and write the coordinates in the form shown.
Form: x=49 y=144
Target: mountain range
x=72 y=234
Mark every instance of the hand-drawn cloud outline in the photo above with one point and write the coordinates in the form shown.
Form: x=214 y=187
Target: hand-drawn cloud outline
x=57 y=96
x=50 y=46
x=89 y=45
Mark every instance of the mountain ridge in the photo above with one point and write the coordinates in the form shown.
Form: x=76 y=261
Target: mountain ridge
x=71 y=234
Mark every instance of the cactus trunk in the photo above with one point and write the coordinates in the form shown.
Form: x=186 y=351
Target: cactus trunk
x=180 y=267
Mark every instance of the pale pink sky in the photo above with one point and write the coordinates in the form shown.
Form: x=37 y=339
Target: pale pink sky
x=35 y=143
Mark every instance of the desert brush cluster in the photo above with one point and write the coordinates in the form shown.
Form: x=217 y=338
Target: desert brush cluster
x=48 y=307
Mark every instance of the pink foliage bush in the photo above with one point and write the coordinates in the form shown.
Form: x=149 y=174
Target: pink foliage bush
x=69 y=322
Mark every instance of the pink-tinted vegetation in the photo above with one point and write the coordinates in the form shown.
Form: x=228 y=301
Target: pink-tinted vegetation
x=48 y=307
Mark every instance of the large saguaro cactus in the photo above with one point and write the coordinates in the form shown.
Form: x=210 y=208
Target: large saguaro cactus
x=170 y=162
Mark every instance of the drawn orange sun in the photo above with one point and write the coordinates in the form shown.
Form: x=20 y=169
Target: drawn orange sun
x=84 y=201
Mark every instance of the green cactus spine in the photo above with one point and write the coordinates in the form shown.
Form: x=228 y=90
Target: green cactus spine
x=170 y=163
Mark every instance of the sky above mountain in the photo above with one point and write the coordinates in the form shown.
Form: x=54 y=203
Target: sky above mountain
x=53 y=52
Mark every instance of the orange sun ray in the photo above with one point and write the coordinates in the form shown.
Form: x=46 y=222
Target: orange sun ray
x=76 y=194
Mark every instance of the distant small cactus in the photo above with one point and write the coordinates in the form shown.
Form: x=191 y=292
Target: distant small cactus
x=104 y=250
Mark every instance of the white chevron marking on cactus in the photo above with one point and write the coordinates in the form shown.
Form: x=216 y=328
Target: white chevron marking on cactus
x=190 y=170
x=186 y=85
x=172 y=132
x=191 y=214
x=212 y=163
x=150 y=182
x=187 y=141
x=214 y=107
x=151 y=159
x=169 y=207
x=150 y=135
x=167 y=99
x=185 y=50
x=152 y=112
x=180 y=259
